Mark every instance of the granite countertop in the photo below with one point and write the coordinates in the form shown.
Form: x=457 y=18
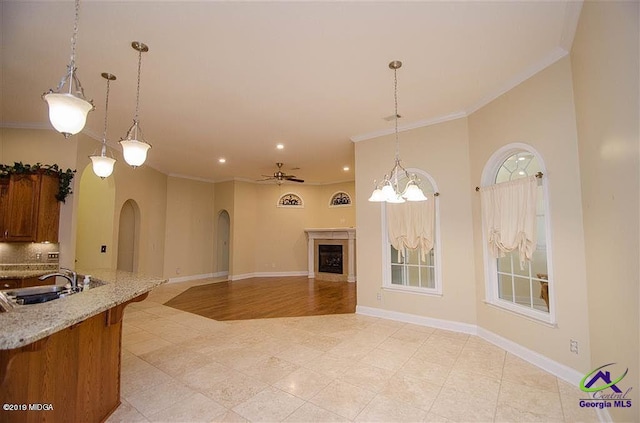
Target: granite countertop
x=26 y=324
x=24 y=271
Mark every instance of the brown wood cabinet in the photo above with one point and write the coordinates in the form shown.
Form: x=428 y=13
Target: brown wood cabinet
x=29 y=210
x=24 y=282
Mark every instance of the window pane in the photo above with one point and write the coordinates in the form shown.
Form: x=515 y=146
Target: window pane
x=523 y=291
x=429 y=261
x=505 y=290
x=504 y=264
x=395 y=257
x=428 y=277
x=397 y=275
x=539 y=264
x=414 y=276
x=412 y=256
x=517 y=270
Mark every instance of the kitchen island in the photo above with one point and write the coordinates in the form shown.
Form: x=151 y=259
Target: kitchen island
x=60 y=360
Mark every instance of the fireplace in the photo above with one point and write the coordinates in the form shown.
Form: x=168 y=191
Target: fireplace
x=330 y=258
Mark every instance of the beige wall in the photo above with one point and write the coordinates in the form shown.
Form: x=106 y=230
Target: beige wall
x=244 y=228
x=146 y=186
x=96 y=199
x=189 y=233
x=337 y=217
x=540 y=112
x=443 y=152
x=605 y=80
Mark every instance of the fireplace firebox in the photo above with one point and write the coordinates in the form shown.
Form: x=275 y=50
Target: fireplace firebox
x=330 y=258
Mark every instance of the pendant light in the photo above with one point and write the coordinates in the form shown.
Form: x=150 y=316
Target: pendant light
x=388 y=190
x=134 y=147
x=68 y=107
x=103 y=164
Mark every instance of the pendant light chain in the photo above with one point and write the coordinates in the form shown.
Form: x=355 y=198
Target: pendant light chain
x=395 y=97
x=135 y=118
x=74 y=37
x=106 y=112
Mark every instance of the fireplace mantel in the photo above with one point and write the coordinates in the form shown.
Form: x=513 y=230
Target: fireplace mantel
x=332 y=233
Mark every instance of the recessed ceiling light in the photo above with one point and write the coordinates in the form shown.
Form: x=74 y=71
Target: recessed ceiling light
x=222 y=160
x=346 y=168
x=280 y=146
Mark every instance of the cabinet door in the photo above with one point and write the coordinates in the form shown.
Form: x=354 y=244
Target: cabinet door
x=4 y=207
x=10 y=283
x=48 y=210
x=24 y=192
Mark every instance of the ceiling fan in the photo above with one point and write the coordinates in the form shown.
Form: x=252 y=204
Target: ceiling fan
x=279 y=176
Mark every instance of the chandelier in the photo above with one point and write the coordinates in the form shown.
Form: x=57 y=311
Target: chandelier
x=68 y=107
x=134 y=147
x=388 y=190
x=103 y=164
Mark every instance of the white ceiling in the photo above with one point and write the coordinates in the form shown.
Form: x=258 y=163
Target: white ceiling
x=233 y=79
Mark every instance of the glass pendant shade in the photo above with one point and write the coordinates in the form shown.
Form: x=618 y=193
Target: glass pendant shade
x=413 y=192
x=67 y=113
x=377 y=196
x=134 y=148
x=102 y=165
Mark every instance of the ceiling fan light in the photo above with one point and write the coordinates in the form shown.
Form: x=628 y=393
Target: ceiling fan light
x=67 y=112
x=102 y=165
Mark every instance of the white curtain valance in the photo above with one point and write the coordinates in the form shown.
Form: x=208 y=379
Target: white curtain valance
x=509 y=217
x=412 y=225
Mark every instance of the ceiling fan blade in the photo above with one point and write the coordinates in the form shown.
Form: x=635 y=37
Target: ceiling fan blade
x=295 y=180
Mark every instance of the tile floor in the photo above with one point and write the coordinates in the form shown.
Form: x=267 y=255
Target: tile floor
x=180 y=367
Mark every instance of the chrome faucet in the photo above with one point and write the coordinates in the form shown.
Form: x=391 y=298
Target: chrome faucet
x=69 y=275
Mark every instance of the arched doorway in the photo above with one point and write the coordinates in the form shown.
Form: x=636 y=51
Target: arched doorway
x=222 y=243
x=128 y=232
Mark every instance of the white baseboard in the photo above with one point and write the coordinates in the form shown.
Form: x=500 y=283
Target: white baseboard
x=267 y=275
x=417 y=320
x=196 y=277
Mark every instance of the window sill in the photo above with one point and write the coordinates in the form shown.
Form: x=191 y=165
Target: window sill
x=537 y=317
x=429 y=292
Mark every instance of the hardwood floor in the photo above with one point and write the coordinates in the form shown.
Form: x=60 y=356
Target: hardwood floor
x=258 y=298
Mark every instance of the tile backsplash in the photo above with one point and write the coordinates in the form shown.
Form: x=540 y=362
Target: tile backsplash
x=28 y=252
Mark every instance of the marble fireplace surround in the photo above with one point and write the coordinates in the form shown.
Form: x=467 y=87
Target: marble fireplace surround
x=331 y=234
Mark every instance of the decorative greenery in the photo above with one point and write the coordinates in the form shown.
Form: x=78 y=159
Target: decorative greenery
x=66 y=176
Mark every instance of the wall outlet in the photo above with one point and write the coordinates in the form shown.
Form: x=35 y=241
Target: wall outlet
x=178 y=270
x=103 y=248
x=573 y=346
x=38 y=256
x=379 y=296
x=53 y=256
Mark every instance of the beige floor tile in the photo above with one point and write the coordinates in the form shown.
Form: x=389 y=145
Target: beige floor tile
x=270 y=370
x=239 y=358
x=419 y=393
x=303 y=383
x=399 y=346
x=517 y=370
x=330 y=365
x=269 y=405
x=570 y=397
x=137 y=335
x=135 y=380
x=523 y=402
x=175 y=360
x=508 y=414
x=433 y=372
x=143 y=347
x=309 y=413
x=367 y=377
x=207 y=377
x=352 y=349
x=445 y=356
x=386 y=359
x=298 y=354
x=434 y=418
x=159 y=397
x=319 y=342
x=413 y=334
x=343 y=399
x=463 y=406
x=196 y=408
x=484 y=363
x=235 y=389
x=384 y=409
x=473 y=383
x=126 y=413
x=230 y=417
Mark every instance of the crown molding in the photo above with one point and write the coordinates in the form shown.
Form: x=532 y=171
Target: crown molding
x=408 y=126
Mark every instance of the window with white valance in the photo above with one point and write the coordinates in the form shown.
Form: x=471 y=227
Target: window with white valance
x=411 y=249
x=516 y=232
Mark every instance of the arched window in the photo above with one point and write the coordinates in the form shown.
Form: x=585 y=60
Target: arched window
x=290 y=200
x=411 y=270
x=340 y=199
x=526 y=289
